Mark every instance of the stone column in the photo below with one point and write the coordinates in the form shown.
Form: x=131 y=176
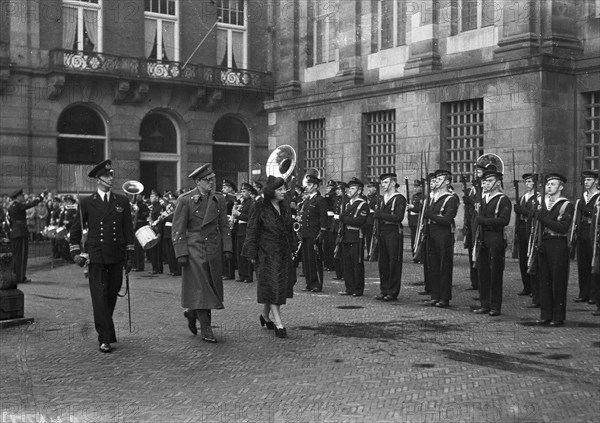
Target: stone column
x=424 y=55
x=559 y=28
x=287 y=40
x=349 y=43
x=520 y=32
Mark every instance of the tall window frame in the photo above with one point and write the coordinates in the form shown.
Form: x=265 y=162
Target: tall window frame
x=379 y=132
x=314 y=142
x=82 y=22
x=391 y=24
x=232 y=34
x=463 y=134
x=591 y=159
x=475 y=14
x=323 y=32
x=161 y=18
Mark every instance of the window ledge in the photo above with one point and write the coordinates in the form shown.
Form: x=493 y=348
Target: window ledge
x=321 y=71
x=472 y=40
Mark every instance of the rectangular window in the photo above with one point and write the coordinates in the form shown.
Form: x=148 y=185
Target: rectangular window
x=592 y=131
x=463 y=134
x=82 y=25
x=380 y=133
x=476 y=14
x=323 y=31
x=232 y=34
x=389 y=24
x=162 y=29
x=313 y=144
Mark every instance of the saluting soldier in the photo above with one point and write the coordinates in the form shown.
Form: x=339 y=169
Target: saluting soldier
x=313 y=229
x=440 y=239
x=201 y=235
x=585 y=241
x=19 y=234
x=353 y=219
x=241 y=215
x=553 y=253
x=109 y=246
x=524 y=220
x=390 y=213
x=493 y=216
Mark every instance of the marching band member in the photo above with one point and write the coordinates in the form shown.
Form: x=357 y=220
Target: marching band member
x=19 y=234
x=353 y=219
x=242 y=216
x=440 y=239
x=524 y=212
x=493 y=216
x=313 y=228
x=66 y=219
x=109 y=245
x=553 y=253
x=141 y=215
x=390 y=213
x=156 y=252
x=167 y=219
x=55 y=212
x=585 y=244
x=201 y=235
x=228 y=189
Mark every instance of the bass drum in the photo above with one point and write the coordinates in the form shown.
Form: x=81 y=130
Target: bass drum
x=147 y=237
x=50 y=231
x=61 y=232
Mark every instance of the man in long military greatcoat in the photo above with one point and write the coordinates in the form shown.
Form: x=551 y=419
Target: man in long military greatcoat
x=201 y=236
x=109 y=246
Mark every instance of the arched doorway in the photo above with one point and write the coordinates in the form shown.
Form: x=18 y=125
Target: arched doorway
x=231 y=150
x=159 y=153
x=81 y=143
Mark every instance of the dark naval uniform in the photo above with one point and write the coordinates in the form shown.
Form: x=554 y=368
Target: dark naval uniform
x=494 y=215
x=470 y=199
x=353 y=219
x=440 y=247
x=390 y=215
x=553 y=260
x=413 y=218
x=585 y=245
x=524 y=213
x=19 y=234
x=313 y=224
x=109 y=244
x=245 y=267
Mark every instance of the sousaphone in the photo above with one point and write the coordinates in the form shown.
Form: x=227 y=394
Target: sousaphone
x=281 y=162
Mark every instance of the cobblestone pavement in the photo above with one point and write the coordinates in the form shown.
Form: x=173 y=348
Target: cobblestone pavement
x=346 y=359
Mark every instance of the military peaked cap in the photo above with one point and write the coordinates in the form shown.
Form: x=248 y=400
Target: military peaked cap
x=101 y=168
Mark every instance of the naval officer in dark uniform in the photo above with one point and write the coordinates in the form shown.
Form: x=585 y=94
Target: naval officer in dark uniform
x=19 y=234
x=110 y=247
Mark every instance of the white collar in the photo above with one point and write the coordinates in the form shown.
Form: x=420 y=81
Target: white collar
x=102 y=194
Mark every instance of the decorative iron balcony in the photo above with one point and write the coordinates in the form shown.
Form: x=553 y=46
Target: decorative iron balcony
x=152 y=70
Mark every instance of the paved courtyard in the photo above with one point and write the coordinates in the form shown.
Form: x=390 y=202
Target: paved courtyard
x=346 y=359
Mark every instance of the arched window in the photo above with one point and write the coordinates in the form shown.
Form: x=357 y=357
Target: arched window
x=158 y=134
x=81 y=136
x=231 y=130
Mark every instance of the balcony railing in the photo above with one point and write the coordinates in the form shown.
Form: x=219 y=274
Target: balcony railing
x=152 y=70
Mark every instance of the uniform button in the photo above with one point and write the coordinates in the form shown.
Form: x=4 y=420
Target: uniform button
x=101 y=240
x=114 y=239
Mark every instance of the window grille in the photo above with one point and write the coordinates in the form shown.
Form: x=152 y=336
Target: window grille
x=313 y=133
x=381 y=143
x=592 y=131
x=463 y=136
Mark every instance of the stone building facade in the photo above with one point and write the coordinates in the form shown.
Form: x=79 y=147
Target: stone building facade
x=404 y=86
x=85 y=80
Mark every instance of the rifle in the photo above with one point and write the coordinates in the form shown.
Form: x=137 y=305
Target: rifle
x=467 y=226
x=596 y=255
x=476 y=240
x=340 y=235
x=422 y=225
x=515 y=246
x=374 y=250
x=574 y=229
x=535 y=237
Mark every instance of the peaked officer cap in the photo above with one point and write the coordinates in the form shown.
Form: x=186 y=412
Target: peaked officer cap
x=101 y=168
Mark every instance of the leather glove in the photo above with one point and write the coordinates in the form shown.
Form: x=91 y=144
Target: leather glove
x=183 y=260
x=228 y=255
x=80 y=261
x=130 y=261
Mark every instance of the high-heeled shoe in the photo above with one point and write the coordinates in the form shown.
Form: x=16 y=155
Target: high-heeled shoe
x=280 y=333
x=268 y=323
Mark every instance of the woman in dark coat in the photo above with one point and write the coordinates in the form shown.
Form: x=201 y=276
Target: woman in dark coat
x=269 y=240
